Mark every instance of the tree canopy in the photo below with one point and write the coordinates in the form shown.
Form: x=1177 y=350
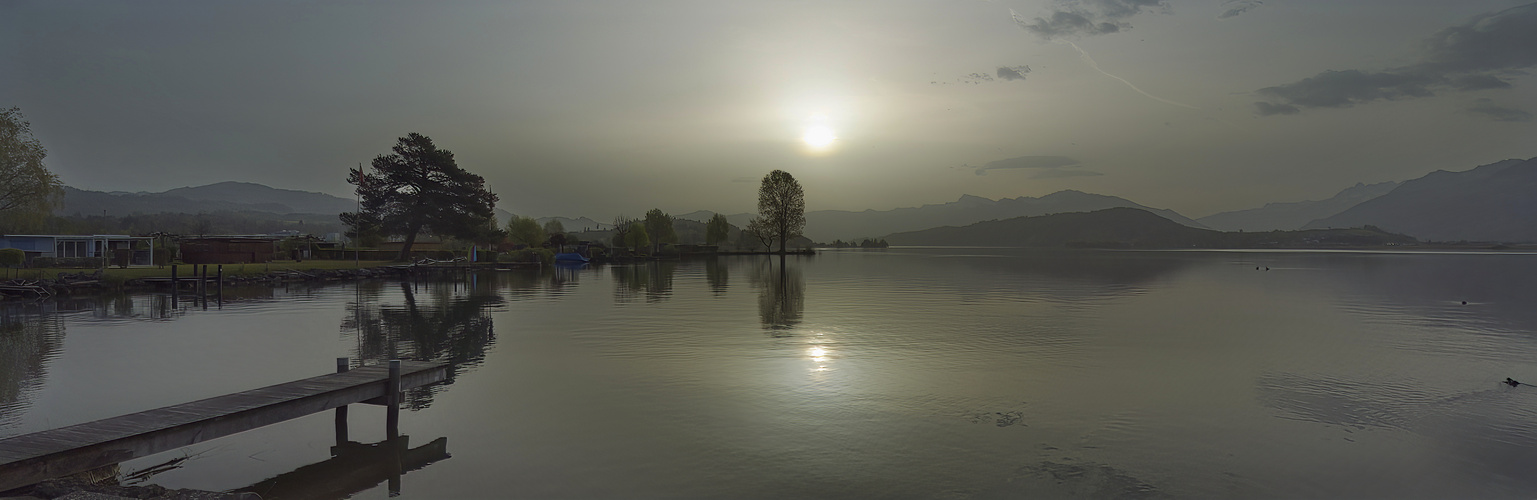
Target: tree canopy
x=28 y=191
x=716 y=230
x=781 y=206
x=659 y=228
x=525 y=230
x=420 y=188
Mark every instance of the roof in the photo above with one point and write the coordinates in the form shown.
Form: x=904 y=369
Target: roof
x=93 y=236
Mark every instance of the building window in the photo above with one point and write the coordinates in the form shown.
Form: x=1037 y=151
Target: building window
x=69 y=249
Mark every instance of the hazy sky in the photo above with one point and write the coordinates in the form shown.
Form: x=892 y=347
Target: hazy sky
x=594 y=108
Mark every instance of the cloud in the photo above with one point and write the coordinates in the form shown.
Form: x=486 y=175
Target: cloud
x=744 y=179
x=1232 y=8
x=1086 y=17
x=1011 y=73
x=1478 y=55
x=1485 y=106
x=1046 y=166
x=1005 y=73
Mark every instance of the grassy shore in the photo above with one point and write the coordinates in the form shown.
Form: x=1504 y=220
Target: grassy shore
x=114 y=274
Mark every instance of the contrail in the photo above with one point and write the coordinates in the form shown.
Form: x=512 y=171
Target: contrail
x=1090 y=61
x=1021 y=22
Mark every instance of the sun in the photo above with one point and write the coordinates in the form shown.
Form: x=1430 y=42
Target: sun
x=819 y=136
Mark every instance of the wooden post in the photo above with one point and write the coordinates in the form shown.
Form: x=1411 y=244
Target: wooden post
x=173 y=286
x=221 y=285
x=392 y=401
x=202 y=287
x=341 y=411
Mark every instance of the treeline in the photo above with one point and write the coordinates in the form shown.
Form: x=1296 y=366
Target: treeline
x=867 y=243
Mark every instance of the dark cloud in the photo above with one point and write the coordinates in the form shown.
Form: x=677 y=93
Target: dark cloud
x=975 y=78
x=1013 y=72
x=1005 y=73
x=1268 y=109
x=1086 y=17
x=1499 y=113
x=1478 y=55
x=1232 y=8
x=1043 y=163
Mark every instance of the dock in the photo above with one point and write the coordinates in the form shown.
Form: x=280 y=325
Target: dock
x=32 y=458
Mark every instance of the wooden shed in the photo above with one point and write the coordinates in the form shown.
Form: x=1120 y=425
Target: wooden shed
x=227 y=250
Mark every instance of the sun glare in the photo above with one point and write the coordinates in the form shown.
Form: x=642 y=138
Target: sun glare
x=819 y=136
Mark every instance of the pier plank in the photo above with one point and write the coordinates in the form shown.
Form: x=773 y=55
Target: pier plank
x=31 y=458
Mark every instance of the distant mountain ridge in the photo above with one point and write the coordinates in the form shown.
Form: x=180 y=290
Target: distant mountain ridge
x=1495 y=202
x=1129 y=228
x=829 y=225
x=223 y=196
x=1295 y=215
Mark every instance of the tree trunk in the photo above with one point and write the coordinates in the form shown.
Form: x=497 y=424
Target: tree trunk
x=405 y=249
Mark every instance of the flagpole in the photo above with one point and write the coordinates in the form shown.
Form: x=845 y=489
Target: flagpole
x=357 y=233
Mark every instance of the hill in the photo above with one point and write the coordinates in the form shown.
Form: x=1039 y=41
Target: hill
x=829 y=225
x=1492 y=203
x=1295 y=215
x=224 y=196
x=1130 y=228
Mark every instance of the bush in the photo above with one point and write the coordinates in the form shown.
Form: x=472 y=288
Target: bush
x=541 y=255
x=67 y=263
x=12 y=257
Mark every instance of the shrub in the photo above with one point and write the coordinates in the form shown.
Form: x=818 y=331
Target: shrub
x=542 y=255
x=12 y=257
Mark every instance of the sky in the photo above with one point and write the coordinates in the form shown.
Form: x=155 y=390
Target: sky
x=600 y=108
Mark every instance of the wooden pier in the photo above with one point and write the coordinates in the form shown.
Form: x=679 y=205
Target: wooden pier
x=32 y=458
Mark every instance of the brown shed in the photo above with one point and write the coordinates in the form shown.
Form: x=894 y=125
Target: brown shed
x=227 y=250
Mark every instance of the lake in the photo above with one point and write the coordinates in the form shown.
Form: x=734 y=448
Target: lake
x=949 y=373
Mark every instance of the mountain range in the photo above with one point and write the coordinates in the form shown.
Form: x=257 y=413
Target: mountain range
x=1491 y=203
x=828 y=225
x=1295 y=215
x=1131 y=228
x=1495 y=202
x=224 y=196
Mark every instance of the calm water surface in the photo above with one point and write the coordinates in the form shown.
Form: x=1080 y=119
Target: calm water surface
x=905 y=373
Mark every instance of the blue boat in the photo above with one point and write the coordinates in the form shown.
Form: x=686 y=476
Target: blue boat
x=570 y=257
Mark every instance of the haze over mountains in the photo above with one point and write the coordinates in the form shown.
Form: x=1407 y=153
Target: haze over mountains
x=1295 y=215
x=1494 y=203
x=1130 y=228
x=829 y=225
x=232 y=196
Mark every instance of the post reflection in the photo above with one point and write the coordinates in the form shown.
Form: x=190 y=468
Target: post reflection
x=435 y=320
x=781 y=295
x=353 y=467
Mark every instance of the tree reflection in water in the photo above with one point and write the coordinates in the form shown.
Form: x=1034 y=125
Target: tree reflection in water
x=448 y=320
x=715 y=272
x=29 y=339
x=651 y=280
x=781 y=295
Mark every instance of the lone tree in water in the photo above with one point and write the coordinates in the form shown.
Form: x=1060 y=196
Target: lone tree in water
x=781 y=206
x=420 y=188
x=28 y=191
